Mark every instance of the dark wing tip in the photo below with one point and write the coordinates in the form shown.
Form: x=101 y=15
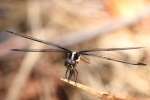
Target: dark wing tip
x=142 y=64
x=14 y=49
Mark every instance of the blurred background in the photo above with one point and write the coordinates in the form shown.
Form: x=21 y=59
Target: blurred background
x=78 y=25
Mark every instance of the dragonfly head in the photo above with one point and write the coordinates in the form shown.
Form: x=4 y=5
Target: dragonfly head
x=72 y=58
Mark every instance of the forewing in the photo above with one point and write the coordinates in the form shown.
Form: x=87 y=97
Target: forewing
x=38 y=50
x=38 y=40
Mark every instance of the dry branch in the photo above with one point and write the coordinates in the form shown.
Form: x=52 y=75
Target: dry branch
x=97 y=93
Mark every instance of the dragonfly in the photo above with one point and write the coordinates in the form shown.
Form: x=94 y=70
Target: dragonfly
x=73 y=57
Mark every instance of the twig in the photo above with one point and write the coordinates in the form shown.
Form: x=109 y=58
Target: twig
x=99 y=94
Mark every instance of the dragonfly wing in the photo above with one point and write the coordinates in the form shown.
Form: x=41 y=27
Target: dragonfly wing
x=109 y=49
x=107 y=58
x=38 y=40
x=37 y=50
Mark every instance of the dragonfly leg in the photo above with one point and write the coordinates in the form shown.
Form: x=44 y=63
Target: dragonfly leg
x=66 y=76
x=70 y=74
x=76 y=76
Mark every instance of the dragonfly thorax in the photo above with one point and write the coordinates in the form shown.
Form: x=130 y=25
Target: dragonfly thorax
x=72 y=58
